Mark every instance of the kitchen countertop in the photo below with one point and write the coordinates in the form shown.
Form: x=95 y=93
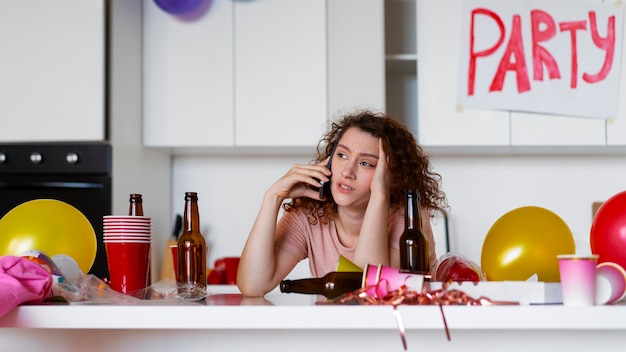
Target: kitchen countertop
x=277 y=311
x=298 y=315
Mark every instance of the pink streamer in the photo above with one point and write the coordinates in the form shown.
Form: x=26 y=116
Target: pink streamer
x=407 y=296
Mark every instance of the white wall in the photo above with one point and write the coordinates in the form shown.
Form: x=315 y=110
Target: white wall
x=230 y=189
x=480 y=190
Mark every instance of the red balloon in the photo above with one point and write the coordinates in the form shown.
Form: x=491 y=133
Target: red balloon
x=608 y=231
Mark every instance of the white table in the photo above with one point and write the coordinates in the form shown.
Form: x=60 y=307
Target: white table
x=292 y=322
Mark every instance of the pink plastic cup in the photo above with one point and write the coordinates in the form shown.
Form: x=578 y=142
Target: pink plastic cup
x=129 y=266
x=578 y=279
x=610 y=283
x=379 y=280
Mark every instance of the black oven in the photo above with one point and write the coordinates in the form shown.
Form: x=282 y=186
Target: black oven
x=76 y=173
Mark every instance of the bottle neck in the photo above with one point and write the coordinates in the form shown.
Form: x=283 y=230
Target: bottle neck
x=306 y=286
x=191 y=216
x=135 y=207
x=412 y=213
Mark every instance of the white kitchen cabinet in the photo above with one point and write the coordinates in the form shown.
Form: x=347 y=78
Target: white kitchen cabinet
x=188 y=77
x=356 y=55
x=538 y=129
x=299 y=64
x=259 y=73
x=616 y=129
x=442 y=123
x=280 y=72
x=238 y=73
x=242 y=73
x=52 y=70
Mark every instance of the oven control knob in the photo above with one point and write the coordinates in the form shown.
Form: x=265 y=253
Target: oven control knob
x=36 y=158
x=3 y=158
x=71 y=158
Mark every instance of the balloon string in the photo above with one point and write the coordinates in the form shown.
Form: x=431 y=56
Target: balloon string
x=445 y=323
x=396 y=314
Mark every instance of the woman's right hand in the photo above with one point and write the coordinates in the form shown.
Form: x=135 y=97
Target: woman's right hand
x=263 y=265
x=302 y=180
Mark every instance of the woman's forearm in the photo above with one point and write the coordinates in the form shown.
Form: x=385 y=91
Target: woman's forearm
x=372 y=247
x=257 y=265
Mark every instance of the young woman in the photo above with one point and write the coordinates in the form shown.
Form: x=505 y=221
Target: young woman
x=361 y=217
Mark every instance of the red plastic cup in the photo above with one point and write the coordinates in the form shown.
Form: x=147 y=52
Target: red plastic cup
x=228 y=266
x=129 y=266
x=174 y=250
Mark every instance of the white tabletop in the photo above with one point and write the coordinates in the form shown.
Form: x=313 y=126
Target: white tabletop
x=227 y=309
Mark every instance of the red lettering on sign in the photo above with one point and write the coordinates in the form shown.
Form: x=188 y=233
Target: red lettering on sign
x=541 y=57
x=474 y=55
x=507 y=63
x=572 y=27
x=543 y=29
x=607 y=44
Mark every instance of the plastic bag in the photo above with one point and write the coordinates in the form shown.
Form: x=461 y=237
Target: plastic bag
x=456 y=267
x=89 y=289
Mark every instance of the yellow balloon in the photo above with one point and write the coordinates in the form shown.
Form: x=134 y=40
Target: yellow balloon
x=526 y=241
x=51 y=226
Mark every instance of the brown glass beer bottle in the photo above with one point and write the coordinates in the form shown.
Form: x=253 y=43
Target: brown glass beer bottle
x=413 y=243
x=331 y=285
x=191 y=276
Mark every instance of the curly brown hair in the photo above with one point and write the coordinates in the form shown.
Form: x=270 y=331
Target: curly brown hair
x=409 y=164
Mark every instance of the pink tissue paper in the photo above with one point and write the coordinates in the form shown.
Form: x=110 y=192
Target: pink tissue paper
x=21 y=281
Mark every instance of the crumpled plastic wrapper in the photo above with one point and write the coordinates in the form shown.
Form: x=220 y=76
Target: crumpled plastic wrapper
x=79 y=288
x=89 y=289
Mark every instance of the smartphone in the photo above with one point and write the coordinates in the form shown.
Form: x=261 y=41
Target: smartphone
x=325 y=188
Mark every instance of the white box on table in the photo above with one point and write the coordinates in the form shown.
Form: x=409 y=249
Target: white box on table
x=524 y=292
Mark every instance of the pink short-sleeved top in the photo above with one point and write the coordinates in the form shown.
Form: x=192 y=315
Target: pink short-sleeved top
x=320 y=242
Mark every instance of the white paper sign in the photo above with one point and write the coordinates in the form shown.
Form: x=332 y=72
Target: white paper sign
x=558 y=57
